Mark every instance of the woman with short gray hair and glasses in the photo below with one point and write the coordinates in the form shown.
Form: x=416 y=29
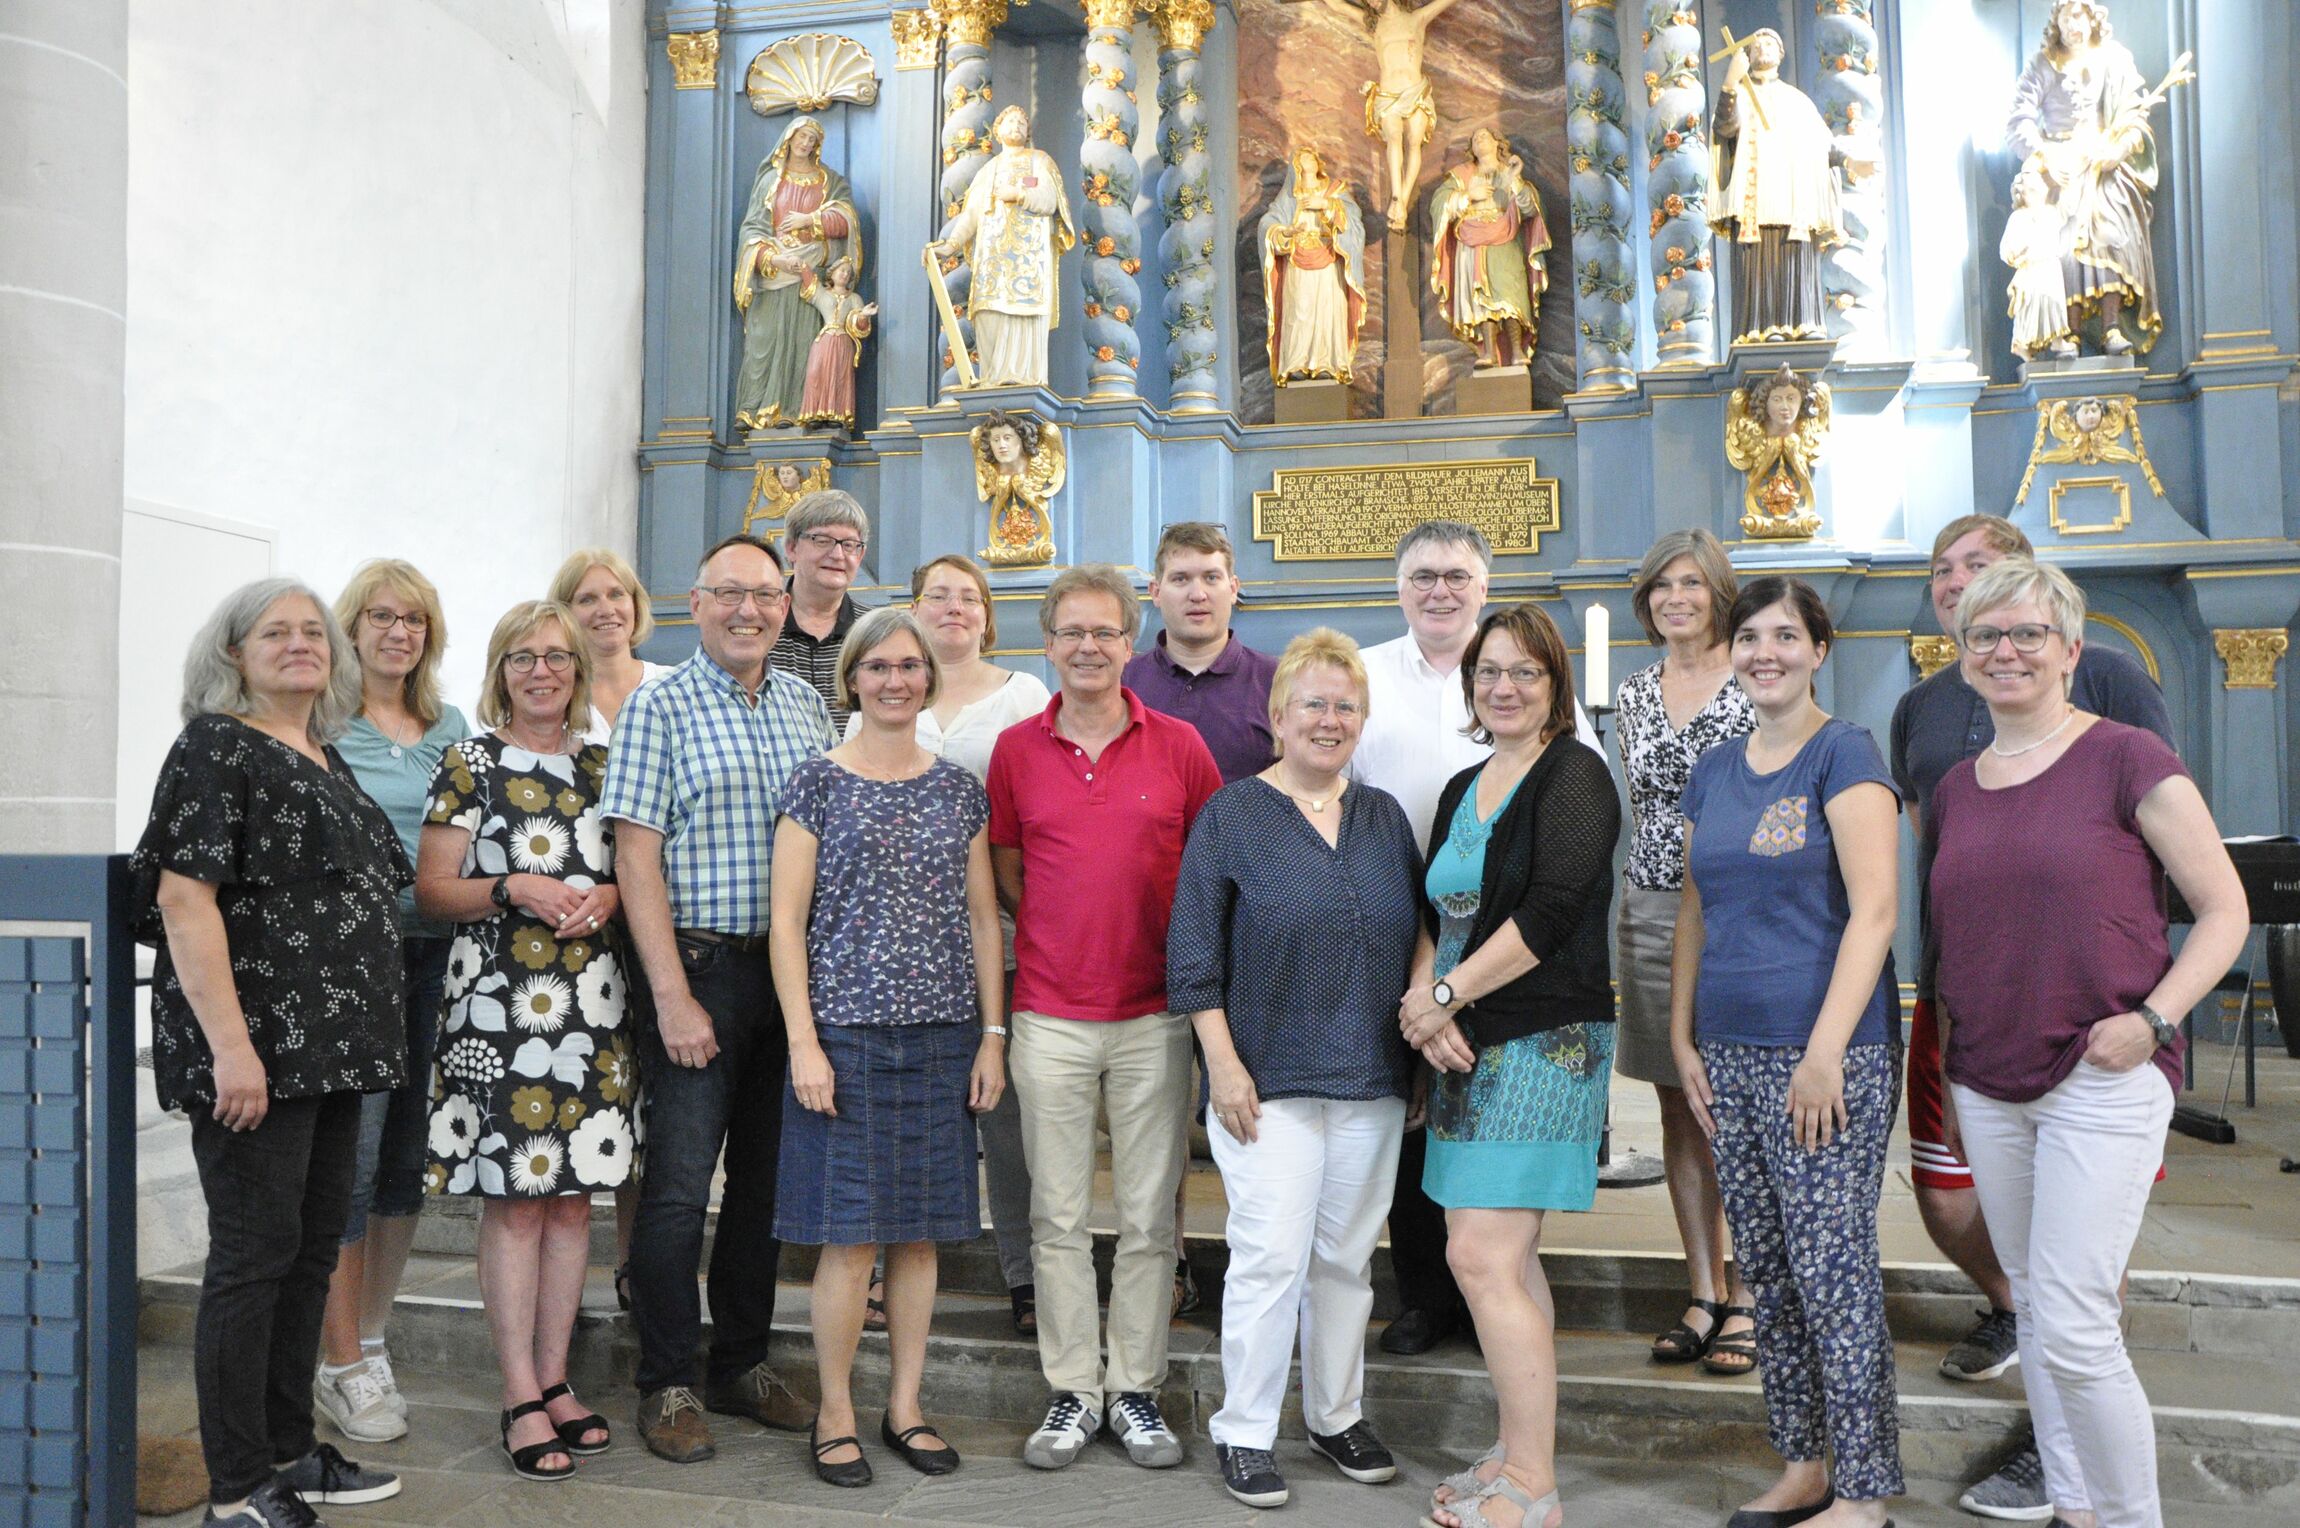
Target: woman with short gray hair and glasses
x=826 y=535
x=269 y=883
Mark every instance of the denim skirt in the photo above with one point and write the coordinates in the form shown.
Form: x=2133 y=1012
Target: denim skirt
x=897 y=1162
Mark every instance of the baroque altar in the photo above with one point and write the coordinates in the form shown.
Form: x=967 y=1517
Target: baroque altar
x=1546 y=345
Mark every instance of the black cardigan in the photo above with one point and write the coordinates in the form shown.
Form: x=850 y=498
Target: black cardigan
x=1549 y=870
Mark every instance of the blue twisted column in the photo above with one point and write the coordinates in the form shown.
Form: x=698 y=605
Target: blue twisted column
x=1604 y=280
x=1186 y=197
x=1677 y=185
x=966 y=146
x=1109 y=178
x=1852 y=101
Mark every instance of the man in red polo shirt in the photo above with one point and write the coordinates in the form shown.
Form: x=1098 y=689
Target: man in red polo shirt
x=1090 y=802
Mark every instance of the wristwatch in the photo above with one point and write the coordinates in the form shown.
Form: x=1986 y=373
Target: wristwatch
x=1441 y=994
x=2165 y=1033
x=501 y=895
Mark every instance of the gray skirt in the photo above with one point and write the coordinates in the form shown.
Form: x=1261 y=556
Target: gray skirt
x=1643 y=939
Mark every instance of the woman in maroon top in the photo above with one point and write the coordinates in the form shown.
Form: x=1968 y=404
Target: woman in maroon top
x=2058 y=1053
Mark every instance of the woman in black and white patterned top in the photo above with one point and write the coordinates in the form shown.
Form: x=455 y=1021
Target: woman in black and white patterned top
x=1671 y=714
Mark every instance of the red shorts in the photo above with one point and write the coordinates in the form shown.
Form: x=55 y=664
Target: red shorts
x=1931 y=1164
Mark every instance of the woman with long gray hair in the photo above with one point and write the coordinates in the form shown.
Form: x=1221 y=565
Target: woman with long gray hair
x=269 y=883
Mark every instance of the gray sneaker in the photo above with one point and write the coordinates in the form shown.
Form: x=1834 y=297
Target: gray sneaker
x=324 y=1477
x=270 y=1505
x=2015 y=1493
x=1135 y=1422
x=357 y=1405
x=1990 y=1348
x=1071 y=1423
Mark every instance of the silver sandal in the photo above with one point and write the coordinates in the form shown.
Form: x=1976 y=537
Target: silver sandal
x=1463 y=1483
x=1471 y=1510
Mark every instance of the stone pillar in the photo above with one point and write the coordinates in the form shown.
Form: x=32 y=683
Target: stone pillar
x=1851 y=99
x=1109 y=176
x=2247 y=773
x=966 y=146
x=63 y=300
x=1604 y=280
x=1677 y=186
x=909 y=329
x=1186 y=199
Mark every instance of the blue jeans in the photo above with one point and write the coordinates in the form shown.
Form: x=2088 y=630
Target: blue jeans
x=388 y=1176
x=736 y=1103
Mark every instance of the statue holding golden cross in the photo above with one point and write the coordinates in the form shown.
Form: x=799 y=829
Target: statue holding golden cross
x=1733 y=48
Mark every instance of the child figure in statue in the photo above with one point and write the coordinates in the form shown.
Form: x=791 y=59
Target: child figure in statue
x=837 y=350
x=2035 y=242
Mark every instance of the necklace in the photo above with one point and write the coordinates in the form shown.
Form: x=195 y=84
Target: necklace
x=1312 y=802
x=391 y=737
x=557 y=745
x=2002 y=752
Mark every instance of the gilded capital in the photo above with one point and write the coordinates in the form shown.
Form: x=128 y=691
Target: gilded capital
x=917 y=39
x=1932 y=654
x=1182 y=24
x=2250 y=655
x=694 y=59
x=1117 y=14
x=970 y=22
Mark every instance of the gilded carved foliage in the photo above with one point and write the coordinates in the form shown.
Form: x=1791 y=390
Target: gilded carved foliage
x=694 y=59
x=2087 y=432
x=2250 y=655
x=917 y=39
x=1932 y=654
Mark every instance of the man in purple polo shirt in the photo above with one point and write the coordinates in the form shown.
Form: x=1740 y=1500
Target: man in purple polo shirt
x=1198 y=670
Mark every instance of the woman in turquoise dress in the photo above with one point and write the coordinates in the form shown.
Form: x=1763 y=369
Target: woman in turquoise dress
x=1512 y=1006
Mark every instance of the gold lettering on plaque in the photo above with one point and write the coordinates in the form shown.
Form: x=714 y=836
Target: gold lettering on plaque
x=1321 y=513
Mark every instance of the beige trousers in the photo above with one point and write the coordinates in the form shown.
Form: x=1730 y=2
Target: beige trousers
x=1138 y=1070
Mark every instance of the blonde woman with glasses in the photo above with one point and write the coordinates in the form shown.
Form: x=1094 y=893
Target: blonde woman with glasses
x=393 y=743
x=531 y=1110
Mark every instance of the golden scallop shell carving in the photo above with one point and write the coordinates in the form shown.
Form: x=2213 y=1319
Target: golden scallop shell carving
x=808 y=73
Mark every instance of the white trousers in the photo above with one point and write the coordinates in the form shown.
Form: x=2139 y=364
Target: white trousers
x=2063 y=1181
x=1307 y=1200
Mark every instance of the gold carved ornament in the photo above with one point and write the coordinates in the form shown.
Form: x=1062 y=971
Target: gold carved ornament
x=1333 y=513
x=2087 y=432
x=1932 y=654
x=917 y=39
x=1182 y=24
x=809 y=73
x=1021 y=530
x=1777 y=499
x=2251 y=655
x=969 y=23
x=772 y=498
x=694 y=59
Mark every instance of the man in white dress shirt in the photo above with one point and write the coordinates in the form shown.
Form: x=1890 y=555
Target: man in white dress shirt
x=1414 y=742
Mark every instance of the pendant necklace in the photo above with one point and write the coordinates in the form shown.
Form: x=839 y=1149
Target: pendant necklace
x=1312 y=802
x=2002 y=752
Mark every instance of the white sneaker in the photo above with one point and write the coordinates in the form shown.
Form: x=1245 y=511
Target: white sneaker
x=354 y=1402
x=1135 y=1421
x=1071 y=1423
x=379 y=1365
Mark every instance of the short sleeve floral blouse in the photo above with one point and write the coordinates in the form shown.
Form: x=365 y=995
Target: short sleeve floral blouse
x=1657 y=760
x=307 y=872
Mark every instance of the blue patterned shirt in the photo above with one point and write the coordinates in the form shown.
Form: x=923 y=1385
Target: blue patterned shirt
x=698 y=762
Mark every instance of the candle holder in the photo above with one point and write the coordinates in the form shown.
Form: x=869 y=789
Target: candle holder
x=1597 y=716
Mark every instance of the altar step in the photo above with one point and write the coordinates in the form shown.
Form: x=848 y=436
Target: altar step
x=1617 y=1291
x=2228 y=1423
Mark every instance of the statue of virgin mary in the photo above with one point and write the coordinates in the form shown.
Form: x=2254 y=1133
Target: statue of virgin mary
x=801 y=218
x=1313 y=273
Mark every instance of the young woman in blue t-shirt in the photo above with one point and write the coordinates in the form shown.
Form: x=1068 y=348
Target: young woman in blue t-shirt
x=1781 y=1020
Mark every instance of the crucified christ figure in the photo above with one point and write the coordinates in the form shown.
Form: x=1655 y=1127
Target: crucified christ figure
x=1400 y=108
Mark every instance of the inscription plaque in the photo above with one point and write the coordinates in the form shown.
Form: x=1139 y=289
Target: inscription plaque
x=1321 y=513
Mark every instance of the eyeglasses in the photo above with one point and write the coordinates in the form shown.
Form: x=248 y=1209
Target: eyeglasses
x=558 y=661
x=879 y=668
x=1078 y=636
x=1525 y=676
x=1317 y=708
x=2027 y=637
x=416 y=622
x=943 y=599
x=1456 y=579
x=731 y=596
x=827 y=542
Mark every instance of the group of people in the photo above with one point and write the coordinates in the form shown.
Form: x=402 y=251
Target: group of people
x=878 y=925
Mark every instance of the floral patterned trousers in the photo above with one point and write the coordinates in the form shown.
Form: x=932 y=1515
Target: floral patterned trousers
x=1804 y=1226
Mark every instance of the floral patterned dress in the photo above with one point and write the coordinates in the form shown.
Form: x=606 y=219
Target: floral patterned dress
x=533 y=1093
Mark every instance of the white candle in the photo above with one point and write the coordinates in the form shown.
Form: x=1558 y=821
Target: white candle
x=1597 y=656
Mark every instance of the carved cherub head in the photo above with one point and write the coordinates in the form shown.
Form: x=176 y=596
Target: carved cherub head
x=789 y=477
x=2028 y=188
x=2088 y=413
x=1781 y=399
x=1012 y=439
x=1012 y=129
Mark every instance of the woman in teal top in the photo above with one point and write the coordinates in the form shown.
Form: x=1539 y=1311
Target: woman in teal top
x=1512 y=1006
x=393 y=745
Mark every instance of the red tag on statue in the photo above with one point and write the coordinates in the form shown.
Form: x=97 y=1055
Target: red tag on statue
x=1030 y=180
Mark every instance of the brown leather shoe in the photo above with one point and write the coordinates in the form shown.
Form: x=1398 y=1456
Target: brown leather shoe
x=672 y=1426
x=756 y=1393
